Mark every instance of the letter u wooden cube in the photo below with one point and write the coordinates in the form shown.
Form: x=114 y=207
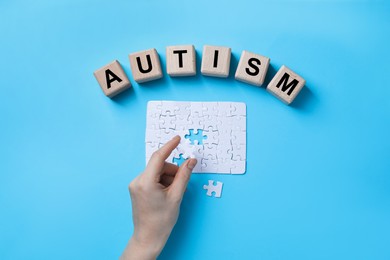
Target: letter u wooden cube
x=145 y=65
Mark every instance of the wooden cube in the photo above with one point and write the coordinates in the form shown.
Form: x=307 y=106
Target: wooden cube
x=181 y=60
x=286 y=85
x=145 y=65
x=216 y=61
x=252 y=68
x=112 y=79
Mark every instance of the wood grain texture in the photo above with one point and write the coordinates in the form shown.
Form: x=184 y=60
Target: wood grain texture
x=181 y=60
x=286 y=85
x=145 y=65
x=252 y=68
x=112 y=79
x=216 y=61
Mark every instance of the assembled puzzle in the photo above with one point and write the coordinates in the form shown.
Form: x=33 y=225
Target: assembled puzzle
x=212 y=132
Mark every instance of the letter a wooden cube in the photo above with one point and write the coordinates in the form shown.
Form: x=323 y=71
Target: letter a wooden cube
x=145 y=65
x=286 y=85
x=112 y=79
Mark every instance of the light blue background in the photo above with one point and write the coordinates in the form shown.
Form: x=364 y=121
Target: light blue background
x=317 y=183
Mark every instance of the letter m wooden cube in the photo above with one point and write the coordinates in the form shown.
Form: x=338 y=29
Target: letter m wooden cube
x=286 y=85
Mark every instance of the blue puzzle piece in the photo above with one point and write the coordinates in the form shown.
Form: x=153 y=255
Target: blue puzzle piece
x=198 y=136
x=179 y=161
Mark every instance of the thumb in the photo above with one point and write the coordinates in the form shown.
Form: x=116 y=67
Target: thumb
x=182 y=177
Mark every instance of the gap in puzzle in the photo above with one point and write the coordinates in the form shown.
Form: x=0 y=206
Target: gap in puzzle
x=212 y=132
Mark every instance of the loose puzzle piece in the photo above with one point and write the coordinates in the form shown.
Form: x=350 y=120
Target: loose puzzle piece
x=213 y=189
x=212 y=132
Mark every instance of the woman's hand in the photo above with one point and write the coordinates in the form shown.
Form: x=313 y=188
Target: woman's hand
x=156 y=195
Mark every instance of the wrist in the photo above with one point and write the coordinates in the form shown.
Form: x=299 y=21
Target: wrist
x=141 y=250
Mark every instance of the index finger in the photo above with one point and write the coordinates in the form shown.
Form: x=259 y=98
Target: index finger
x=156 y=162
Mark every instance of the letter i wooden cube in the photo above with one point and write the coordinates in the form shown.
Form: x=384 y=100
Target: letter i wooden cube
x=252 y=68
x=112 y=79
x=181 y=60
x=216 y=61
x=145 y=65
x=286 y=85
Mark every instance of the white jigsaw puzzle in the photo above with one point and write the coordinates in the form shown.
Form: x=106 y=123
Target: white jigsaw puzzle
x=212 y=132
x=211 y=188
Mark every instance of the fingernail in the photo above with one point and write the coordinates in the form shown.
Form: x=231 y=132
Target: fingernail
x=191 y=164
x=176 y=137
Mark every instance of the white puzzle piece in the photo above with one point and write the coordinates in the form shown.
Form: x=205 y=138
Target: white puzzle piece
x=211 y=188
x=212 y=132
